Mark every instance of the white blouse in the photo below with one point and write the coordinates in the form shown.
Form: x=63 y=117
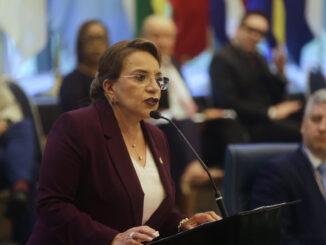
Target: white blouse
x=151 y=184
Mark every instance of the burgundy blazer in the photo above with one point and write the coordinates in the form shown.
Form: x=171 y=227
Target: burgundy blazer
x=88 y=189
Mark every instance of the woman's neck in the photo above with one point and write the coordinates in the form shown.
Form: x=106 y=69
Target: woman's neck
x=130 y=127
x=132 y=135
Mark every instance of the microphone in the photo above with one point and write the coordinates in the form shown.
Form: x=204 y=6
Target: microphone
x=218 y=196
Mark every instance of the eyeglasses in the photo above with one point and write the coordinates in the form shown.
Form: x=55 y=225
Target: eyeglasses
x=144 y=80
x=252 y=30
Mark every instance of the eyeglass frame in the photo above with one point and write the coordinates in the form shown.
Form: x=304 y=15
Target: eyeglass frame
x=165 y=80
x=250 y=29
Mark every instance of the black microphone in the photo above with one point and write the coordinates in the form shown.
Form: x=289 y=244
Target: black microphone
x=218 y=196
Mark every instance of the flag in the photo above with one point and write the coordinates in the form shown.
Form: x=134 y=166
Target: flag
x=26 y=23
x=192 y=20
x=225 y=17
x=143 y=9
x=278 y=21
x=147 y=7
x=218 y=20
x=314 y=16
x=158 y=6
x=295 y=31
x=234 y=12
x=138 y=10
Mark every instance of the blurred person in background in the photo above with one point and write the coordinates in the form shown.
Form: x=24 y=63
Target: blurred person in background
x=241 y=80
x=17 y=164
x=91 y=43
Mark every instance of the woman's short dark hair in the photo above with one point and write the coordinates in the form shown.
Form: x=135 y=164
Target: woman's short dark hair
x=81 y=35
x=111 y=62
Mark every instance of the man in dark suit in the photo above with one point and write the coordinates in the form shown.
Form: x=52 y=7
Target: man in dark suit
x=241 y=80
x=298 y=176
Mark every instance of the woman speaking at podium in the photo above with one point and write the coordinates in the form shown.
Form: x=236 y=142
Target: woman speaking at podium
x=105 y=176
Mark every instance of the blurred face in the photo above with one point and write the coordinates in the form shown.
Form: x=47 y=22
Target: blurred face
x=135 y=98
x=162 y=32
x=251 y=32
x=313 y=130
x=95 y=42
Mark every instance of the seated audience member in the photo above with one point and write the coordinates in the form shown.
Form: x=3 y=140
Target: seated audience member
x=105 y=176
x=300 y=175
x=241 y=80
x=92 y=41
x=17 y=163
x=177 y=104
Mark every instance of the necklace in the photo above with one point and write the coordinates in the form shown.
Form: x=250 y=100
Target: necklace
x=140 y=157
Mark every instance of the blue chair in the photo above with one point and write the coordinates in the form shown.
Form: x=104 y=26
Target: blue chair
x=316 y=81
x=241 y=164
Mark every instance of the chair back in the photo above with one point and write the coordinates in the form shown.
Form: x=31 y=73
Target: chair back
x=316 y=81
x=241 y=164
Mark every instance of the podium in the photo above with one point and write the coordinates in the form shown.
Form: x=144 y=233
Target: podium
x=259 y=226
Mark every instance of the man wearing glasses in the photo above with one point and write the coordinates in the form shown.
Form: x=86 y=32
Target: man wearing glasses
x=241 y=80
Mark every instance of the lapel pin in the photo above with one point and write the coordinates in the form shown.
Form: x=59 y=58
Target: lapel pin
x=161 y=161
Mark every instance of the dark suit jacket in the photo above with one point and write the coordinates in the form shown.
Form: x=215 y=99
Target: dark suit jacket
x=88 y=189
x=290 y=178
x=248 y=87
x=74 y=91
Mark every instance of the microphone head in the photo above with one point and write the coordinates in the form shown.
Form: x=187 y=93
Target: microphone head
x=155 y=114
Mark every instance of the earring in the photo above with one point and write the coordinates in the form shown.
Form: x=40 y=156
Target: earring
x=111 y=99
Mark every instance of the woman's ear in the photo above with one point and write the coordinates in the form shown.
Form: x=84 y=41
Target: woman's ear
x=107 y=87
x=109 y=92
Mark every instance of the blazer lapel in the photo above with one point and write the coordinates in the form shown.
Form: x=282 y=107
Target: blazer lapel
x=121 y=160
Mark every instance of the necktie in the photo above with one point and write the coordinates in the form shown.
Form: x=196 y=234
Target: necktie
x=322 y=170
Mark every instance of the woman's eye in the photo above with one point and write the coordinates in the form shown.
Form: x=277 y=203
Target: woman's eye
x=140 y=77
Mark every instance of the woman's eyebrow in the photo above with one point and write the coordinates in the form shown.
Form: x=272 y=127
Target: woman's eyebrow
x=146 y=72
x=140 y=71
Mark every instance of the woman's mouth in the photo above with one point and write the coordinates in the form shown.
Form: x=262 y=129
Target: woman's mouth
x=152 y=101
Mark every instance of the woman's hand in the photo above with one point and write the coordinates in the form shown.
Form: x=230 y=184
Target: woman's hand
x=135 y=235
x=198 y=219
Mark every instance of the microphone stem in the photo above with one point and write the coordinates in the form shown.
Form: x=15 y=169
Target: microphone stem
x=218 y=196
